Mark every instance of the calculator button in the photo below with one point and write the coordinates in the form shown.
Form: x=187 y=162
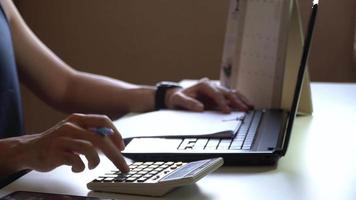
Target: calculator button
x=119 y=180
x=141 y=179
x=165 y=166
x=135 y=170
x=136 y=176
x=147 y=176
x=154 y=172
x=130 y=179
x=98 y=179
x=109 y=179
x=154 y=166
x=121 y=175
x=160 y=168
x=142 y=172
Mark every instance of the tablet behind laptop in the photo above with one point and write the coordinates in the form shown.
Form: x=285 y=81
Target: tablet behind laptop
x=262 y=137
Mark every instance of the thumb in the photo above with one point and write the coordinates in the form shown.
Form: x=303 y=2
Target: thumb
x=186 y=102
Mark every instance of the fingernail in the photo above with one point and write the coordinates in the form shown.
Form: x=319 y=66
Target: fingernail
x=199 y=107
x=126 y=168
x=91 y=167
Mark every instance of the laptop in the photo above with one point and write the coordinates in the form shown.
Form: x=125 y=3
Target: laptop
x=261 y=139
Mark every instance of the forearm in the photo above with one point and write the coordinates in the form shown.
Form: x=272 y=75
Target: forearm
x=89 y=93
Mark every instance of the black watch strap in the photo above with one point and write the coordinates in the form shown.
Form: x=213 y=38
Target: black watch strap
x=161 y=90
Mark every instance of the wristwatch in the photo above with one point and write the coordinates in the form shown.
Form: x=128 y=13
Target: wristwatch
x=161 y=90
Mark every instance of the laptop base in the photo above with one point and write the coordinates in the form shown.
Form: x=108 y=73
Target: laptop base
x=229 y=159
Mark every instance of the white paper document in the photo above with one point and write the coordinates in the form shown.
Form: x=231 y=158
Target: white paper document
x=173 y=123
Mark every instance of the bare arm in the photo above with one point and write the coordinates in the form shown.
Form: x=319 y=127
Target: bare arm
x=65 y=88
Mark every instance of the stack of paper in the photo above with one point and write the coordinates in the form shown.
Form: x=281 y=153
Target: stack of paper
x=172 y=123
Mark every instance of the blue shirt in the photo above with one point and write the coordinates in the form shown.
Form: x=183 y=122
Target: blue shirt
x=11 y=116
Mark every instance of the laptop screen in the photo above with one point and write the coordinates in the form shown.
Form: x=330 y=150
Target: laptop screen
x=300 y=77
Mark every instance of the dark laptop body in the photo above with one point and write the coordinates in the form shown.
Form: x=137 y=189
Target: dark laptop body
x=266 y=139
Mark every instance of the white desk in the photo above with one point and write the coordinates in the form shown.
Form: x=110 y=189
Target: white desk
x=320 y=162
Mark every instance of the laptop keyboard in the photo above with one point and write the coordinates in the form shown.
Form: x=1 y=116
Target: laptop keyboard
x=243 y=139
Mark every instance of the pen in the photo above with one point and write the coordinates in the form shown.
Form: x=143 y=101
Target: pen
x=103 y=131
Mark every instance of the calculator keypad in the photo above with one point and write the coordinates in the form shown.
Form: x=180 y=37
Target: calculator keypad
x=141 y=172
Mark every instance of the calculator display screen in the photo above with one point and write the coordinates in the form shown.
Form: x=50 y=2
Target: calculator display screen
x=22 y=195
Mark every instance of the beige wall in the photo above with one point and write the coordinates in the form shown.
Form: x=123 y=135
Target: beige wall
x=145 y=41
x=141 y=41
x=332 y=52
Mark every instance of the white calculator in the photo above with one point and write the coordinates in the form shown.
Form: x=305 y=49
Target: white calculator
x=154 y=178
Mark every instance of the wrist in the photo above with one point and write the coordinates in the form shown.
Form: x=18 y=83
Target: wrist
x=164 y=90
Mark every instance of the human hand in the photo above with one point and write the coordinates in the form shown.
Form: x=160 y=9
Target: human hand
x=63 y=143
x=206 y=95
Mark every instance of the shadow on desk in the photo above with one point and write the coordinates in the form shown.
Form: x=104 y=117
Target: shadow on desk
x=246 y=169
x=185 y=192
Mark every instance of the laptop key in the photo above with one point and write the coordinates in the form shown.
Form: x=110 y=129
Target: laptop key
x=185 y=143
x=236 y=145
x=200 y=144
x=246 y=147
x=212 y=143
x=210 y=148
x=224 y=144
x=252 y=131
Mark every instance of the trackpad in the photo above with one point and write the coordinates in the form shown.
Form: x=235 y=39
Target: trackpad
x=152 y=145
